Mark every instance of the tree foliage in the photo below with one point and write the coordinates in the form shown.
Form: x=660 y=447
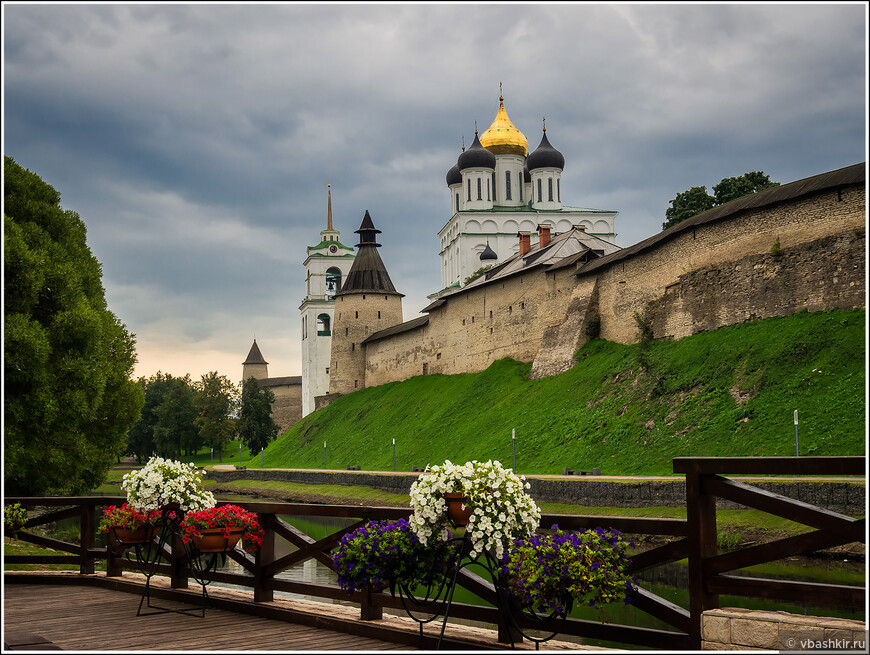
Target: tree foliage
x=687 y=204
x=175 y=430
x=256 y=427
x=697 y=200
x=216 y=399
x=69 y=400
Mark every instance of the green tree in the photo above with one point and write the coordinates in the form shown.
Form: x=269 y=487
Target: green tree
x=687 y=204
x=140 y=439
x=175 y=431
x=697 y=200
x=68 y=397
x=216 y=400
x=731 y=188
x=256 y=427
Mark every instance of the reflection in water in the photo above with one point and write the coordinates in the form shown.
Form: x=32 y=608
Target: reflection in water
x=308 y=571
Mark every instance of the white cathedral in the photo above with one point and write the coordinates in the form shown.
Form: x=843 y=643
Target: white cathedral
x=497 y=191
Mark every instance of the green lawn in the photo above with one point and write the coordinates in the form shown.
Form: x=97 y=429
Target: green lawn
x=728 y=392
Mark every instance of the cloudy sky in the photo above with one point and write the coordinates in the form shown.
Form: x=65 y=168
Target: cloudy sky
x=196 y=141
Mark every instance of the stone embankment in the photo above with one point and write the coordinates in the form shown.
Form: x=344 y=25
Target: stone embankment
x=837 y=495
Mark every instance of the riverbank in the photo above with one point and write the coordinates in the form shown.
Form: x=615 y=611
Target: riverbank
x=842 y=495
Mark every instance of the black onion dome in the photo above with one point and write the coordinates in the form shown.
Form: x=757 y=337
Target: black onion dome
x=454 y=176
x=476 y=156
x=545 y=156
x=488 y=253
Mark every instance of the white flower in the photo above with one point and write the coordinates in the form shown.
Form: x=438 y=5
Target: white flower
x=501 y=509
x=161 y=482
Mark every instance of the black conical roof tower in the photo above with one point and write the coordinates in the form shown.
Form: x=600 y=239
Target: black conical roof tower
x=368 y=273
x=254 y=356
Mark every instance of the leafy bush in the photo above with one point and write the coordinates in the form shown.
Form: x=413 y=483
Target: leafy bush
x=14 y=517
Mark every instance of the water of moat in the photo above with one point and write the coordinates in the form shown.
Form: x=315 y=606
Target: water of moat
x=668 y=581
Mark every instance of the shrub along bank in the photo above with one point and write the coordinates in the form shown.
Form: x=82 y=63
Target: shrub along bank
x=730 y=392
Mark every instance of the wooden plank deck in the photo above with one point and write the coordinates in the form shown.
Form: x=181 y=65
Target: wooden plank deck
x=87 y=618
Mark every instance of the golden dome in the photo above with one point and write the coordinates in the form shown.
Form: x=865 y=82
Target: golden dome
x=502 y=138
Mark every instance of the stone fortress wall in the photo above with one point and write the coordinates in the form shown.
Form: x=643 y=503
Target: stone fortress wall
x=628 y=286
x=473 y=329
x=716 y=273
x=287 y=408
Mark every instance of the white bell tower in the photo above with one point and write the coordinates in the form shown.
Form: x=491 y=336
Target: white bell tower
x=326 y=266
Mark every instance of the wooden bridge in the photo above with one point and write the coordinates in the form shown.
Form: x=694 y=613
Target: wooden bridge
x=366 y=626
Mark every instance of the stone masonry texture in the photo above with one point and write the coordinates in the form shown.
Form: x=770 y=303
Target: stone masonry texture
x=744 y=629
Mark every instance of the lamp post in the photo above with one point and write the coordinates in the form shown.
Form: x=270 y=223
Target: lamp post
x=324 y=454
x=797 y=450
x=514 y=446
x=394 y=454
x=212 y=456
x=240 y=452
x=261 y=459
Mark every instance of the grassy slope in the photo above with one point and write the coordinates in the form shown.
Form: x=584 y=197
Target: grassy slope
x=607 y=412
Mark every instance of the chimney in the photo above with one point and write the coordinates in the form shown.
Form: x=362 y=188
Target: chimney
x=525 y=242
x=582 y=228
x=543 y=235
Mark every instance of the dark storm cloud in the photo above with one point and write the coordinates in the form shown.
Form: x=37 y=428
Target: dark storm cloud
x=196 y=141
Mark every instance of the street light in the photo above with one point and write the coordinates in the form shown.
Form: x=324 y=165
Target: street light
x=324 y=454
x=514 y=444
x=797 y=450
x=394 y=454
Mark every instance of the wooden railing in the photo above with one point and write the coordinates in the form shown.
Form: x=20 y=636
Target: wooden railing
x=694 y=538
x=705 y=483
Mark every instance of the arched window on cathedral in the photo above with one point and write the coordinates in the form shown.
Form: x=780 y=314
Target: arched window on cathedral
x=323 y=325
x=469 y=189
x=479 y=190
x=457 y=202
x=507 y=185
x=559 y=190
x=550 y=188
x=333 y=281
x=540 y=195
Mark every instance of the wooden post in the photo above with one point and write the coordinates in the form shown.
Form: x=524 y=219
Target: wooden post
x=701 y=517
x=507 y=634
x=113 y=560
x=88 y=526
x=262 y=558
x=368 y=611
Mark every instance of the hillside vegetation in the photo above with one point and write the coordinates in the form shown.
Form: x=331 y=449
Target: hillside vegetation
x=730 y=392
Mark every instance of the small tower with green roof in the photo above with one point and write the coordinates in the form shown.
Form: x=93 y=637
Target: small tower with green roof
x=326 y=267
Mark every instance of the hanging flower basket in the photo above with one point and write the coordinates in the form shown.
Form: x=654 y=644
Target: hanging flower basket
x=217 y=540
x=552 y=572
x=382 y=553
x=458 y=509
x=128 y=524
x=500 y=508
x=228 y=522
x=163 y=483
x=128 y=536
